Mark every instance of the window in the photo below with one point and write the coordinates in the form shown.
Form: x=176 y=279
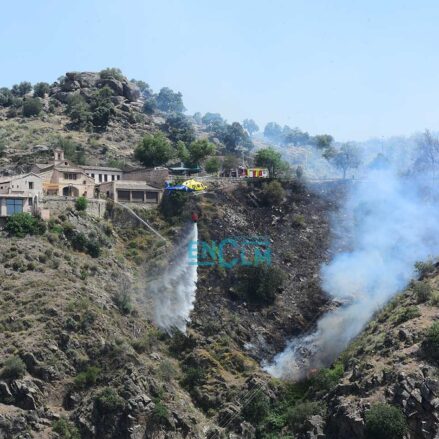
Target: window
x=93 y=176
x=69 y=176
x=112 y=178
x=137 y=196
x=31 y=185
x=30 y=201
x=105 y=177
x=118 y=177
x=14 y=205
x=151 y=196
x=123 y=195
x=100 y=178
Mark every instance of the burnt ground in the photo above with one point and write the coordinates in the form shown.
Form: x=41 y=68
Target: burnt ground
x=299 y=232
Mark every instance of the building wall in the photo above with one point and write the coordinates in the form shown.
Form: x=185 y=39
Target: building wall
x=102 y=176
x=154 y=177
x=81 y=186
x=131 y=194
x=27 y=207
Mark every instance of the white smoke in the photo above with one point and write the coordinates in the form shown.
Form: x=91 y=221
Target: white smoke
x=394 y=223
x=173 y=294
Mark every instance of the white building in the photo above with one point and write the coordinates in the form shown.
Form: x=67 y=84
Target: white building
x=20 y=193
x=103 y=174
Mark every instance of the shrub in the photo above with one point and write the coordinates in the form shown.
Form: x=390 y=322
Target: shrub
x=65 y=429
x=407 y=314
x=167 y=370
x=81 y=203
x=273 y=193
x=79 y=111
x=422 y=291
x=112 y=73
x=430 y=344
x=257 y=409
x=259 y=284
x=434 y=299
x=13 y=368
x=109 y=401
x=300 y=412
x=327 y=379
x=93 y=248
x=424 y=268
x=384 y=421
x=32 y=107
x=170 y=101
x=123 y=301
x=192 y=377
x=146 y=343
x=88 y=377
x=160 y=412
x=41 y=89
x=22 y=224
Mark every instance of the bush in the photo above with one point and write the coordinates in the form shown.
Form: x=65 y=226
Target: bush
x=109 y=401
x=384 y=421
x=123 y=301
x=93 y=248
x=431 y=342
x=327 y=379
x=407 y=314
x=13 y=368
x=112 y=73
x=21 y=89
x=273 y=193
x=81 y=203
x=65 y=429
x=259 y=284
x=434 y=299
x=422 y=291
x=32 y=107
x=41 y=89
x=160 y=412
x=170 y=101
x=87 y=378
x=192 y=377
x=257 y=409
x=424 y=268
x=299 y=413
x=22 y=224
x=79 y=111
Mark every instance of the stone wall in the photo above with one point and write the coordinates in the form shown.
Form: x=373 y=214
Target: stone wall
x=56 y=205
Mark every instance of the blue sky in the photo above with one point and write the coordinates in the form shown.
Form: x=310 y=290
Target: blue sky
x=354 y=69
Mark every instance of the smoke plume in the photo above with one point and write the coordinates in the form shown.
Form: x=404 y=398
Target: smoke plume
x=173 y=294
x=393 y=222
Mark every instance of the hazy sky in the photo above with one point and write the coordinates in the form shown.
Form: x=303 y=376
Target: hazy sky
x=354 y=69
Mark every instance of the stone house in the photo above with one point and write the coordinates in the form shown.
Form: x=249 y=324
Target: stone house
x=20 y=193
x=103 y=174
x=63 y=179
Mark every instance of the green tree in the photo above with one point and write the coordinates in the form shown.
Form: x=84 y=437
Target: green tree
x=384 y=421
x=199 y=150
x=150 y=105
x=81 y=203
x=6 y=97
x=65 y=429
x=213 y=165
x=273 y=193
x=273 y=131
x=179 y=128
x=234 y=137
x=154 y=150
x=211 y=118
x=79 y=111
x=251 y=126
x=144 y=88
x=22 y=89
x=32 y=107
x=348 y=157
x=323 y=141
x=431 y=343
x=230 y=162
x=269 y=158
x=170 y=101
x=22 y=224
x=102 y=107
x=259 y=284
x=112 y=73
x=294 y=136
x=41 y=89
